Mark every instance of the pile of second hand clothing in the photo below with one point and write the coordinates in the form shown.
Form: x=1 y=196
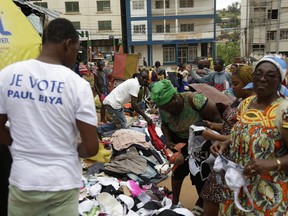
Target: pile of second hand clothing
x=130 y=189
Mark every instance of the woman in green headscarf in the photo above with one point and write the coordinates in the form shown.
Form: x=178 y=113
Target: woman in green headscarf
x=178 y=111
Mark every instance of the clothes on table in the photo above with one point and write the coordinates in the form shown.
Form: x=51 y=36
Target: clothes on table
x=129 y=162
x=125 y=198
x=123 y=138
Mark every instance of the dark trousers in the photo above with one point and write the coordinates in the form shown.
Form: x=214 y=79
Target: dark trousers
x=5 y=166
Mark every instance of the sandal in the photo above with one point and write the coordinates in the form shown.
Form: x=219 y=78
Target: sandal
x=198 y=211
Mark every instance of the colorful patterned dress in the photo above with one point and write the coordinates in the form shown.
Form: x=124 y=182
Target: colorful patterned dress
x=212 y=191
x=256 y=136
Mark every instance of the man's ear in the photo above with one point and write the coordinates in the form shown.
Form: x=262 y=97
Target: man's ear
x=66 y=44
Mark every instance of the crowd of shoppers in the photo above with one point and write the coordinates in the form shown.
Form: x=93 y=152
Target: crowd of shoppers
x=46 y=104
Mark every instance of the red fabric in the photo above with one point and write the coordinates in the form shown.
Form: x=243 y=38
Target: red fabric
x=220 y=87
x=177 y=158
x=119 y=66
x=156 y=141
x=102 y=97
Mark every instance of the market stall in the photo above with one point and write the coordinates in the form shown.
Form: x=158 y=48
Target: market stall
x=19 y=37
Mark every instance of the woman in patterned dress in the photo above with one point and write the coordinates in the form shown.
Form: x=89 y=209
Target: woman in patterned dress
x=260 y=146
x=212 y=192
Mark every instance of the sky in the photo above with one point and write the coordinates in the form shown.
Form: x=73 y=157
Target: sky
x=220 y=4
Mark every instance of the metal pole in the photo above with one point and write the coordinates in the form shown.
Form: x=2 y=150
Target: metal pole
x=278 y=27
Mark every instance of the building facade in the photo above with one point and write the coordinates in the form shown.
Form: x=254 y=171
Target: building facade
x=170 y=31
x=264 y=25
x=97 y=21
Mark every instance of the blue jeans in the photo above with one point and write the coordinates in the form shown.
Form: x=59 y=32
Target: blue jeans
x=118 y=120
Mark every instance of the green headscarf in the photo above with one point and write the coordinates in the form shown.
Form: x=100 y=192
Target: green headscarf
x=162 y=92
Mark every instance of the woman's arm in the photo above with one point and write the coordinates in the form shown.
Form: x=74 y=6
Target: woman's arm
x=167 y=134
x=210 y=135
x=284 y=159
x=206 y=108
x=260 y=166
x=214 y=126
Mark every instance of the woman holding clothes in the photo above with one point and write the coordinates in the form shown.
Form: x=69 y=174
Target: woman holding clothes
x=212 y=192
x=178 y=111
x=260 y=144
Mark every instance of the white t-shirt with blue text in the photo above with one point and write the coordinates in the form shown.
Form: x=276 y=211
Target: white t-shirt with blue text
x=42 y=102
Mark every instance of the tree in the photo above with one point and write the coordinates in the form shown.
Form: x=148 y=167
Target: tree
x=234 y=7
x=228 y=51
x=218 y=18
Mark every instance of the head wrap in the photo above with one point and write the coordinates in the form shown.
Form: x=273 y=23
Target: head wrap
x=246 y=74
x=162 y=92
x=277 y=61
x=248 y=86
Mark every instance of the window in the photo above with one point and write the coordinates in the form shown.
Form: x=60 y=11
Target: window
x=76 y=25
x=258 y=49
x=139 y=29
x=160 y=4
x=283 y=34
x=41 y=4
x=186 y=27
x=259 y=15
x=192 y=53
x=272 y=14
x=103 y=6
x=168 y=54
x=138 y=5
x=72 y=7
x=186 y=3
x=104 y=25
x=271 y=35
x=160 y=29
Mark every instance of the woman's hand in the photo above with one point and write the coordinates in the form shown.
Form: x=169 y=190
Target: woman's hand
x=259 y=166
x=149 y=120
x=170 y=145
x=219 y=147
x=209 y=124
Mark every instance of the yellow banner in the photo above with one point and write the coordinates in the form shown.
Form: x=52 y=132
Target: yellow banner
x=18 y=38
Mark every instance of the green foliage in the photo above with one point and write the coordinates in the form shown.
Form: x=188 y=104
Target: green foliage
x=218 y=19
x=234 y=7
x=228 y=51
x=233 y=13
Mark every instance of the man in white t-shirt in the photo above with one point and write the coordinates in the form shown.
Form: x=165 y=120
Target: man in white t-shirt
x=47 y=104
x=124 y=93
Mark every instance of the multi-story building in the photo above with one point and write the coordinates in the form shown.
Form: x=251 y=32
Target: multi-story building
x=171 y=31
x=97 y=21
x=264 y=25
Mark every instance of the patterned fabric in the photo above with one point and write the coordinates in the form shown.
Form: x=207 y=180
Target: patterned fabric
x=213 y=189
x=285 y=118
x=229 y=118
x=256 y=136
x=180 y=124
